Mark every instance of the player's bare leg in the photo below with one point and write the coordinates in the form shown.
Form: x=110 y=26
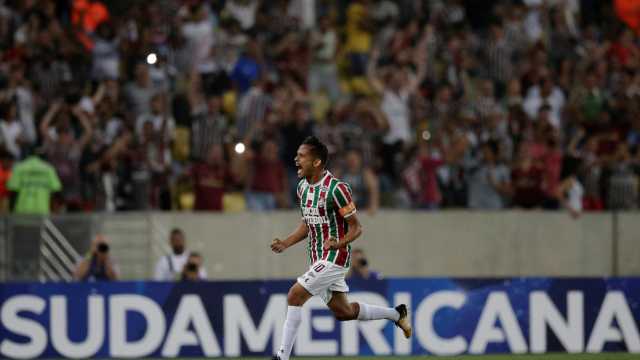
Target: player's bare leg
x=296 y=297
x=343 y=310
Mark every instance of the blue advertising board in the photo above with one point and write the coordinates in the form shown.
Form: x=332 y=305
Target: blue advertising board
x=244 y=318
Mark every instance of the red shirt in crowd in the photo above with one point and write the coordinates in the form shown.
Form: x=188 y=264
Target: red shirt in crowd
x=268 y=175
x=210 y=182
x=527 y=184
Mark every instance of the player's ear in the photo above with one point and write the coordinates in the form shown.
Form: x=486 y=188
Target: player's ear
x=317 y=162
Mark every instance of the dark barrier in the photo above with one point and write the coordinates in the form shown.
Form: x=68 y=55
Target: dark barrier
x=450 y=316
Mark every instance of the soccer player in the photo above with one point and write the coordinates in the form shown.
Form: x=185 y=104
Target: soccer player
x=330 y=222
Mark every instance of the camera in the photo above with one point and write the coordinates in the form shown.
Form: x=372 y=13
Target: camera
x=192 y=267
x=103 y=248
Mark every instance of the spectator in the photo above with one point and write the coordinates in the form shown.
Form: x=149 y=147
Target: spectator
x=243 y=70
x=139 y=92
x=363 y=182
x=98 y=265
x=360 y=267
x=5 y=175
x=208 y=124
x=11 y=130
x=193 y=269
x=64 y=150
x=211 y=178
x=158 y=117
x=172 y=267
x=323 y=74
x=490 y=182
x=33 y=180
x=527 y=177
x=570 y=191
x=267 y=179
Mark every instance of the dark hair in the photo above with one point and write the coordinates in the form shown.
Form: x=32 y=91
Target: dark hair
x=176 y=231
x=318 y=149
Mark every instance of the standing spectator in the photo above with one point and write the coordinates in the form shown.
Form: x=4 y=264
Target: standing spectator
x=323 y=74
x=527 y=177
x=364 y=182
x=158 y=115
x=139 y=92
x=490 y=183
x=247 y=68
x=267 y=179
x=211 y=178
x=106 y=55
x=34 y=180
x=11 y=131
x=170 y=267
x=293 y=132
x=395 y=106
x=420 y=177
x=570 y=191
x=98 y=265
x=19 y=90
x=208 y=123
x=499 y=53
x=64 y=150
x=547 y=93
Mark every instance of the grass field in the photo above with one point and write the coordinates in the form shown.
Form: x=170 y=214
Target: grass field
x=610 y=356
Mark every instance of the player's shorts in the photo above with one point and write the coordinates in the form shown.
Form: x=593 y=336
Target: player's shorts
x=323 y=278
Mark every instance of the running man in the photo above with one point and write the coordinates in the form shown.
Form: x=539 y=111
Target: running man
x=329 y=221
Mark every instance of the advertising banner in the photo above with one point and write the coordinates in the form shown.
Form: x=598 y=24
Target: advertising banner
x=244 y=318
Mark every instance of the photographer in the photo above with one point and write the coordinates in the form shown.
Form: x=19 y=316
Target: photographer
x=191 y=270
x=360 y=267
x=171 y=267
x=97 y=265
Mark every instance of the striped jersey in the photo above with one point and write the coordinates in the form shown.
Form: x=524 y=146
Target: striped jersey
x=324 y=206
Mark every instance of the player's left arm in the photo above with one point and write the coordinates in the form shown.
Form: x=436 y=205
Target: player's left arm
x=354 y=232
x=347 y=209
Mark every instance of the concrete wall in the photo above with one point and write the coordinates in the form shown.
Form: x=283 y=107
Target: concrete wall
x=399 y=243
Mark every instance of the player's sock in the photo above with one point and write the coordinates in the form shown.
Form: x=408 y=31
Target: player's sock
x=291 y=324
x=374 y=312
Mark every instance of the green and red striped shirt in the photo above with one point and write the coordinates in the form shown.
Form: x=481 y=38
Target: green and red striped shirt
x=324 y=206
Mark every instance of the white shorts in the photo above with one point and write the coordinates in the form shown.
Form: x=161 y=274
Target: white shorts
x=323 y=278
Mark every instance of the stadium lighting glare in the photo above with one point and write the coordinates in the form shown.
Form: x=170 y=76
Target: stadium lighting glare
x=239 y=148
x=426 y=135
x=152 y=58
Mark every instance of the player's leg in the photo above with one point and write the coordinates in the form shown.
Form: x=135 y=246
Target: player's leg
x=343 y=310
x=296 y=297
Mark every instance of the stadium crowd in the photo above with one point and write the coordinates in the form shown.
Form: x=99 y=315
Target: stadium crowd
x=184 y=104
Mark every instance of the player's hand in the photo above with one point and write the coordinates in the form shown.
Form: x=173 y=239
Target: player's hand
x=278 y=246
x=330 y=244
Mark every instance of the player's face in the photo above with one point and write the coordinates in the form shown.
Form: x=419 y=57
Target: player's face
x=305 y=161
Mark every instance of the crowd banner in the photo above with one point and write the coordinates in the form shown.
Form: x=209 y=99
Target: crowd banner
x=244 y=318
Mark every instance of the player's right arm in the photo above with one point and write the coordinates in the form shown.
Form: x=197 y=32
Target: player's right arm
x=299 y=234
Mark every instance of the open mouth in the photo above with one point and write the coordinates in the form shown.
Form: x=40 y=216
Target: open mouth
x=299 y=169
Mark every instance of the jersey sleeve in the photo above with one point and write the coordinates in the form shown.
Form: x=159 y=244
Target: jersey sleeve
x=343 y=199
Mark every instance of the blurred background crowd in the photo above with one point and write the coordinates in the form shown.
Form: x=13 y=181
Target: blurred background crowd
x=201 y=105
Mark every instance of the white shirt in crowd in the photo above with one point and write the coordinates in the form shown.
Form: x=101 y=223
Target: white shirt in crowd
x=169 y=267
x=10 y=131
x=396 y=108
x=157 y=124
x=534 y=101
